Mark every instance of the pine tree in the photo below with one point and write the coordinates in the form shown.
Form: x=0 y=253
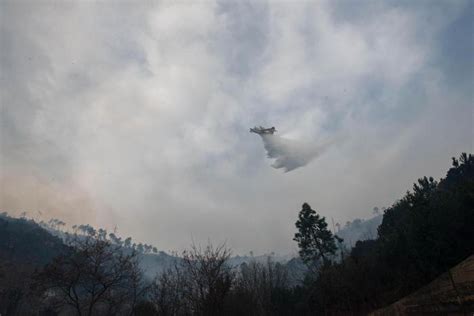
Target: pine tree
x=314 y=239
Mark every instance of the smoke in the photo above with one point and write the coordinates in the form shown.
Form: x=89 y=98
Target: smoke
x=291 y=154
x=42 y=198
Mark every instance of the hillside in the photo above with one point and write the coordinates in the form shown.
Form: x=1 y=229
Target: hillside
x=360 y=229
x=25 y=241
x=452 y=293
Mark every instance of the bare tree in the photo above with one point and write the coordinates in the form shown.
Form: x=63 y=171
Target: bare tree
x=167 y=292
x=208 y=278
x=260 y=286
x=198 y=284
x=96 y=277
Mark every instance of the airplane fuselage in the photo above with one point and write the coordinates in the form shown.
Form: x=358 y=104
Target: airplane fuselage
x=261 y=130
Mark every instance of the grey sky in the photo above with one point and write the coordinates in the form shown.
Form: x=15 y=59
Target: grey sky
x=137 y=115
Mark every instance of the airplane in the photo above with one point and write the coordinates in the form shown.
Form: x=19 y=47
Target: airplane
x=261 y=130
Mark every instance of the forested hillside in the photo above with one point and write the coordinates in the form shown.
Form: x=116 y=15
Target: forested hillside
x=23 y=240
x=91 y=272
x=360 y=229
x=427 y=231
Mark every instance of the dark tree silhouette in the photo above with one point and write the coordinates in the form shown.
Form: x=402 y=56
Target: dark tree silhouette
x=198 y=284
x=314 y=239
x=262 y=289
x=96 y=277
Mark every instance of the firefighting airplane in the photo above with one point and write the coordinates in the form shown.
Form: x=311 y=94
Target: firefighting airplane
x=261 y=130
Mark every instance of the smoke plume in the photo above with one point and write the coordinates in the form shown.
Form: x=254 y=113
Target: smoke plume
x=290 y=154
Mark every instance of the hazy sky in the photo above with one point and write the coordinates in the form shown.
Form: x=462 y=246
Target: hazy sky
x=136 y=114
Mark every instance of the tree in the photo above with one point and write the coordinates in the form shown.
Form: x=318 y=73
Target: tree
x=422 y=235
x=314 y=239
x=261 y=289
x=417 y=233
x=167 y=292
x=198 y=284
x=208 y=278
x=95 y=277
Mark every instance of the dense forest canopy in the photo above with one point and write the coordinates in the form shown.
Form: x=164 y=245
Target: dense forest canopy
x=427 y=231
